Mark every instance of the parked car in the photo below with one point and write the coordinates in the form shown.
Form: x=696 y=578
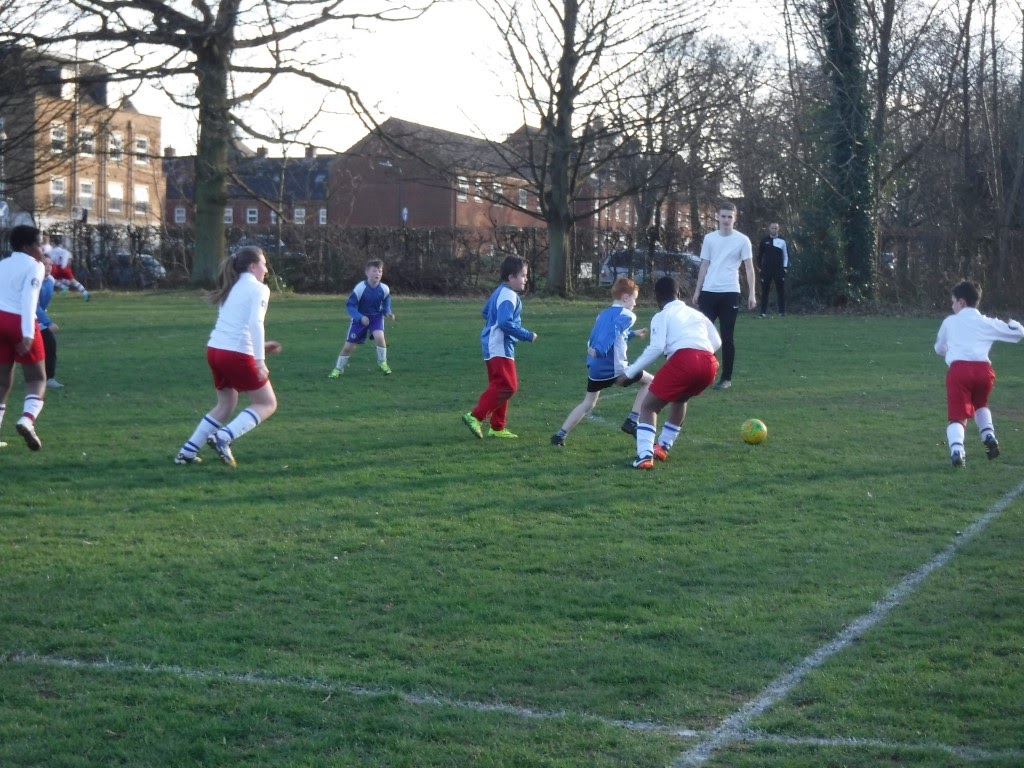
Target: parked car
x=123 y=270
x=268 y=244
x=632 y=263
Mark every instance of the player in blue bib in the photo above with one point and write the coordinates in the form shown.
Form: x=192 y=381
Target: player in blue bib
x=607 y=360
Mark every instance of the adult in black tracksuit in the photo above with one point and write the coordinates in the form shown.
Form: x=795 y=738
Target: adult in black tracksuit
x=772 y=262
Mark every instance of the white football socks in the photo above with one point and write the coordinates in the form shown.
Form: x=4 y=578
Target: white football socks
x=644 y=439
x=955 y=436
x=245 y=421
x=207 y=426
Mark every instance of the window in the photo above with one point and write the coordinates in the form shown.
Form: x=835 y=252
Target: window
x=58 y=138
x=141 y=195
x=252 y=215
x=229 y=215
x=478 y=189
x=86 y=189
x=142 y=150
x=68 y=84
x=618 y=212
x=463 y=193
x=87 y=141
x=179 y=215
x=323 y=216
x=116 y=147
x=524 y=198
x=496 y=188
x=115 y=197
x=58 y=193
x=273 y=217
x=300 y=216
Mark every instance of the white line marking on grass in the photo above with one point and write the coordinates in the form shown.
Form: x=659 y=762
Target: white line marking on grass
x=970 y=754
x=600 y=420
x=324 y=686
x=733 y=727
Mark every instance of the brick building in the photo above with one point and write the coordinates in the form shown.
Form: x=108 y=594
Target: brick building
x=425 y=177
x=263 y=192
x=415 y=177
x=68 y=154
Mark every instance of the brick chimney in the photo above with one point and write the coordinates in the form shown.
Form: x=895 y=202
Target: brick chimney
x=261 y=152
x=169 y=152
x=310 y=152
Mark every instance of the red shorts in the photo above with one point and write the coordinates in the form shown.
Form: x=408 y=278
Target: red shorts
x=684 y=375
x=10 y=338
x=968 y=385
x=62 y=273
x=234 y=370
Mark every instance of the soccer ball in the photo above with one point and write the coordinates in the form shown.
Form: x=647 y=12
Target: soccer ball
x=753 y=431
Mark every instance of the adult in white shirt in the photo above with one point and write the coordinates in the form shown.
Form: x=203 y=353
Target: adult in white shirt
x=236 y=354
x=21 y=275
x=717 y=293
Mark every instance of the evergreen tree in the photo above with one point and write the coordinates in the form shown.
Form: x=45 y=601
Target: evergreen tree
x=852 y=153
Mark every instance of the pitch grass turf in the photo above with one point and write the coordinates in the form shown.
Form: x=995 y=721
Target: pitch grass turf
x=368 y=541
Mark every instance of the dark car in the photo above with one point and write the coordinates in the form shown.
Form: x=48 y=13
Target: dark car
x=632 y=263
x=124 y=270
x=268 y=244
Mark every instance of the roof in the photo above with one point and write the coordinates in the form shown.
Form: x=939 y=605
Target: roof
x=445 y=150
x=280 y=178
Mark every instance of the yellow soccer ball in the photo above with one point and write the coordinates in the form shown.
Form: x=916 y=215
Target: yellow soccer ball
x=753 y=431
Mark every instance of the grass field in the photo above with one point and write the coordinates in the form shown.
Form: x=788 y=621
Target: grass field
x=373 y=586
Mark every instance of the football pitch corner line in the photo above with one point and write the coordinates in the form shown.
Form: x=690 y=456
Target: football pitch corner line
x=749 y=736
x=733 y=728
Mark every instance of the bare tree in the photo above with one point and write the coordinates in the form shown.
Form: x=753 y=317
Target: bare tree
x=567 y=56
x=232 y=51
x=679 y=122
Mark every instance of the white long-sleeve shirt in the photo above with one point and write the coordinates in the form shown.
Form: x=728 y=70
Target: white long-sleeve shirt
x=969 y=335
x=20 y=278
x=677 y=327
x=60 y=256
x=239 y=325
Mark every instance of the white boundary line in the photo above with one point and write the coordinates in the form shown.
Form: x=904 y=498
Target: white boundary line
x=970 y=754
x=328 y=687
x=732 y=730
x=733 y=727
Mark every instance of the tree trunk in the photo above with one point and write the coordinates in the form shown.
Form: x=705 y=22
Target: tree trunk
x=560 y=197
x=212 y=149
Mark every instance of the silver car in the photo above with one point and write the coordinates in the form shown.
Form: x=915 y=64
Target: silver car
x=632 y=263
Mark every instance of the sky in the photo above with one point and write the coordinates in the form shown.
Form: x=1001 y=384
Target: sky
x=420 y=70
x=445 y=69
